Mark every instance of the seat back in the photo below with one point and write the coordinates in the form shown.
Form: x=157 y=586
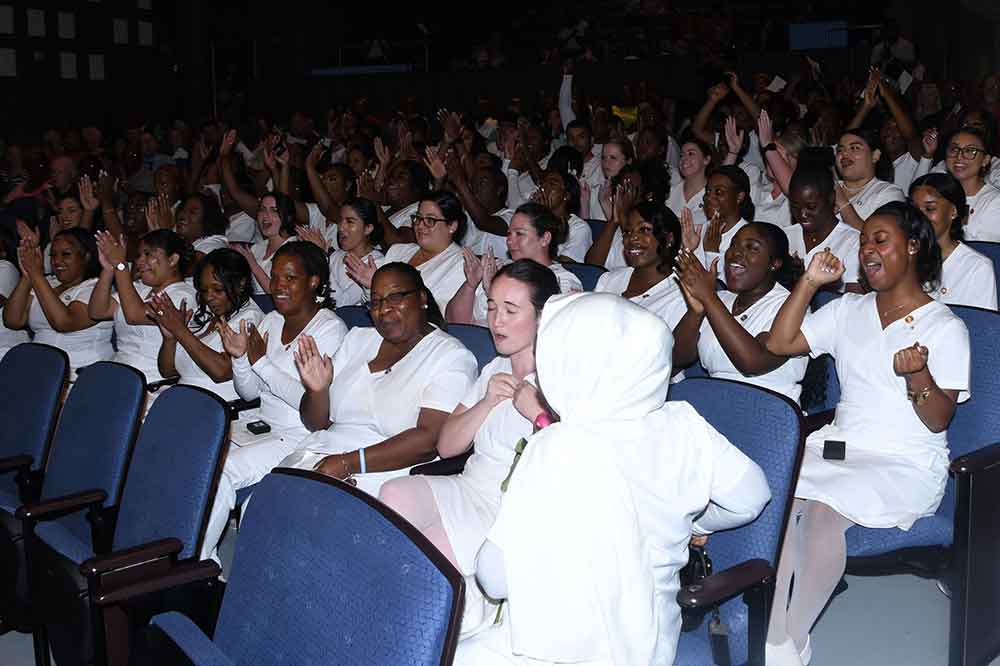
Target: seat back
x=767 y=427
x=991 y=250
x=477 y=339
x=318 y=558
x=174 y=470
x=94 y=438
x=264 y=301
x=596 y=227
x=588 y=274
x=355 y=315
x=31 y=383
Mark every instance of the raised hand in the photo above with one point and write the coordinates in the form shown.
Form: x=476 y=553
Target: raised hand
x=870 y=95
x=26 y=233
x=626 y=196
x=473 y=267
x=110 y=248
x=718 y=92
x=171 y=320
x=228 y=143
x=690 y=234
x=765 y=131
x=87 y=197
x=382 y=153
x=734 y=136
x=713 y=235
x=315 y=369
x=825 y=268
x=314 y=236
x=29 y=257
x=452 y=124
x=930 y=142
x=256 y=345
x=234 y=342
x=435 y=164
x=697 y=284
x=910 y=360
x=360 y=271
x=501 y=386
x=312 y=159
x=490 y=268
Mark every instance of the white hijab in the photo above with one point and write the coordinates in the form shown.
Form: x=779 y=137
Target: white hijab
x=584 y=522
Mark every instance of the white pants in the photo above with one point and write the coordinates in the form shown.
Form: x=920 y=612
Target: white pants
x=244 y=466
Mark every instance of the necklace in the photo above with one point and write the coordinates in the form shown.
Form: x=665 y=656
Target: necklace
x=856 y=189
x=893 y=309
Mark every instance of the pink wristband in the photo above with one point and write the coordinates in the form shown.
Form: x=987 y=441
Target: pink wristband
x=543 y=420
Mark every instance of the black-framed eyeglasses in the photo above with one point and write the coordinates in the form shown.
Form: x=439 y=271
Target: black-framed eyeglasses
x=425 y=220
x=968 y=152
x=392 y=300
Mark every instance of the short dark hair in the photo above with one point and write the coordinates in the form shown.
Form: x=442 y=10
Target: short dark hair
x=451 y=209
x=233 y=271
x=542 y=220
x=314 y=262
x=170 y=242
x=915 y=226
x=433 y=312
x=367 y=210
x=665 y=224
x=738 y=177
x=950 y=189
x=540 y=279
x=791 y=266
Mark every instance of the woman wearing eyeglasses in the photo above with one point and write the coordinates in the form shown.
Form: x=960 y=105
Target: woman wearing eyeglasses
x=968 y=160
x=377 y=406
x=439 y=225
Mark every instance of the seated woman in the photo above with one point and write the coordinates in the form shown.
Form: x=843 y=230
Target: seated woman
x=815 y=227
x=359 y=235
x=533 y=234
x=276 y=221
x=456 y=512
x=55 y=308
x=728 y=207
x=727 y=330
x=263 y=362
x=560 y=193
x=10 y=276
x=967 y=276
x=377 y=406
x=652 y=237
x=70 y=214
x=201 y=224
x=160 y=268
x=968 y=159
x=222 y=281
x=624 y=478
x=695 y=162
x=865 y=173
x=439 y=225
x=903 y=362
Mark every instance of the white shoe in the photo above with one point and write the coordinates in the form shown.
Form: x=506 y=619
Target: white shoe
x=807 y=652
x=783 y=654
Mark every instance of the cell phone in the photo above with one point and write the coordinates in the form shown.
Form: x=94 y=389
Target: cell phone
x=834 y=450
x=258 y=427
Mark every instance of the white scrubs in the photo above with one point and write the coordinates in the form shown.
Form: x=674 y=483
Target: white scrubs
x=9 y=277
x=844 y=242
x=139 y=345
x=84 y=347
x=191 y=373
x=984 y=214
x=579 y=238
x=443 y=273
x=967 y=278
x=568 y=283
x=343 y=287
x=259 y=252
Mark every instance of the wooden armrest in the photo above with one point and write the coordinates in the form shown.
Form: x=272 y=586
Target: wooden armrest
x=15 y=463
x=131 y=556
x=724 y=585
x=980 y=460
x=182 y=574
x=167 y=381
x=443 y=467
x=236 y=406
x=60 y=506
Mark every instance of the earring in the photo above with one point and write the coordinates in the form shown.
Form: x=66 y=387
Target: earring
x=425 y=306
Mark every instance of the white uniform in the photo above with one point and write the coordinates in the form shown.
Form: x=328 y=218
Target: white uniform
x=984 y=214
x=139 y=344
x=696 y=204
x=520 y=186
x=664 y=298
x=727 y=239
x=275 y=380
x=206 y=244
x=495 y=242
x=9 y=277
x=344 y=289
x=401 y=218
x=967 y=278
x=905 y=170
x=756 y=319
x=593 y=175
x=591 y=567
x=443 y=273
x=83 y=347
x=370 y=407
x=844 y=242
x=874 y=194
x=579 y=238
x=616 y=253
x=259 y=250
x=568 y=283
x=242 y=229
x=767 y=207
x=895 y=468
x=992 y=176
x=189 y=370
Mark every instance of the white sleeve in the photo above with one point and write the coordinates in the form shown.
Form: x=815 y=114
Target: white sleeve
x=948 y=357
x=247 y=384
x=279 y=383
x=820 y=329
x=923 y=168
x=317 y=220
x=739 y=489
x=451 y=381
x=566 y=100
x=578 y=242
x=9 y=277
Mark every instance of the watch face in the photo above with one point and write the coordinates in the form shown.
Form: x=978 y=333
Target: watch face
x=120 y=266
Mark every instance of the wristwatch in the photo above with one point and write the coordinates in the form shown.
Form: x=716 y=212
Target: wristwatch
x=919 y=397
x=121 y=266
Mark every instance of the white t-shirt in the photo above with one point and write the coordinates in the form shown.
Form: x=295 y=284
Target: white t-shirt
x=344 y=289
x=984 y=214
x=568 y=283
x=768 y=208
x=369 y=407
x=189 y=370
x=443 y=273
x=664 y=298
x=756 y=319
x=259 y=250
x=83 y=347
x=874 y=194
x=578 y=240
x=274 y=378
x=490 y=241
x=9 y=277
x=905 y=170
x=139 y=344
x=967 y=278
x=844 y=242
x=696 y=204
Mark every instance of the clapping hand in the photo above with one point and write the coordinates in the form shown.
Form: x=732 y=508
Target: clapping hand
x=690 y=234
x=930 y=142
x=314 y=236
x=765 y=132
x=713 y=235
x=87 y=197
x=234 y=342
x=825 y=268
x=473 y=268
x=110 y=251
x=360 y=271
x=29 y=257
x=734 y=136
x=256 y=345
x=315 y=369
x=490 y=268
x=697 y=284
x=171 y=320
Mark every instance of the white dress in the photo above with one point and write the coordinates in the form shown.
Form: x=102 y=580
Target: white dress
x=665 y=298
x=344 y=289
x=756 y=319
x=984 y=214
x=568 y=283
x=9 y=277
x=139 y=345
x=258 y=250
x=579 y=238
x=189 y=370
x=895 y=468
x=967 y=278
x=443 y=273
x=370 y=407
x=844 y=242
x=874 y=194
x=83 y=347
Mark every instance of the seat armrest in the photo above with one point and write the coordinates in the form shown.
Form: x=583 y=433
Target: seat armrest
x=153 y=387
x=96 y=566
x=182 y=574
x=15 y=463
x=814 y=422
x=60 y=506
x=234 y=407
x=443 y=467
x=980 y=460
x=189 y=640
x=724 y=585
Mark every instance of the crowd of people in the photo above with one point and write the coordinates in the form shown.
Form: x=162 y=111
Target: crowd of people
x=716 y=233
